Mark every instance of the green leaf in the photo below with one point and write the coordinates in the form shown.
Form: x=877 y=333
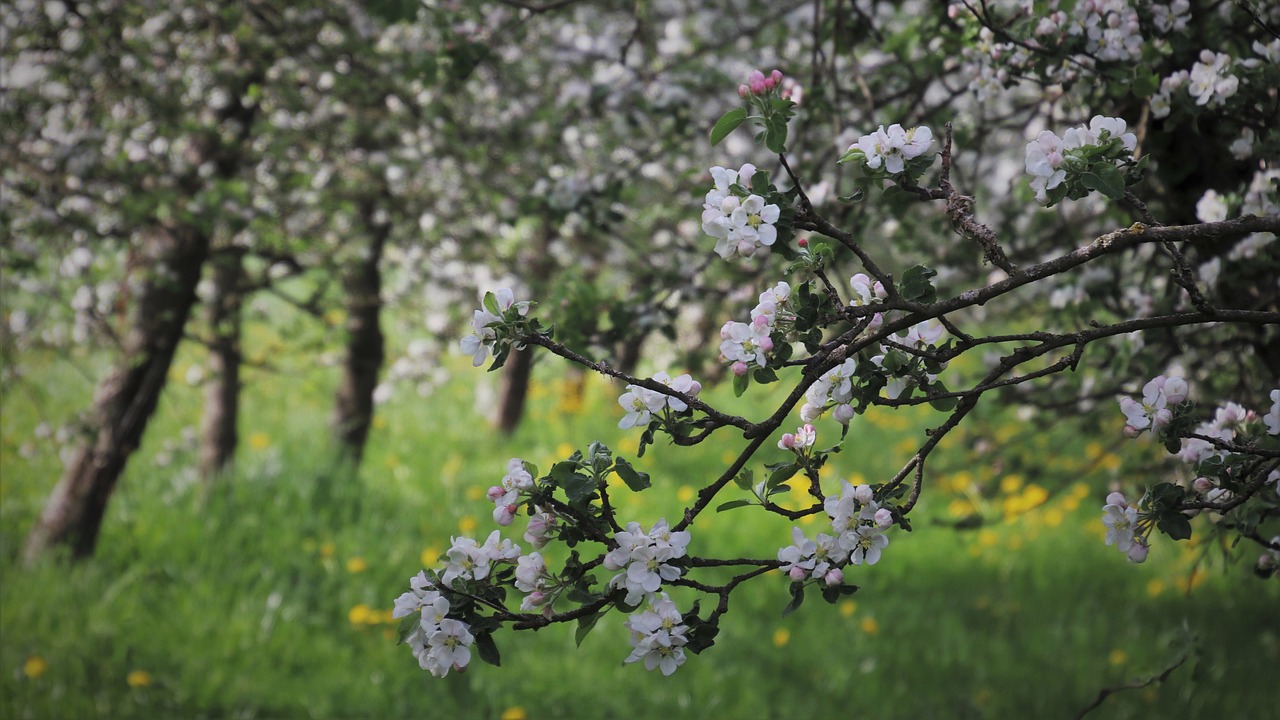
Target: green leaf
x=775 y=134
x=1106 y=179
x=781 y=474
x=764 y=376
x=917 y=285
x=727 y=124
x=1145 y=84
x=745 y=479
x=634 y=479
x=585 y=624
x=487 y=650
x=1175 y=525
x=740 y=383
x=491 y=304
x=797 y=599
x=578 y=487
x=732 y=504
x=857 y=196
x=407 y=625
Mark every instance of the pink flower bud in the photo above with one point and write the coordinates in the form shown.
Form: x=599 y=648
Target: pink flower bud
x=1117 y=499
x=766 y=344
x=803 y=242
x=756 y=82
x=495 y=493
x=1131 y=431
x=810 y=412
x=883 y=518
x=739 y=368
x=843 y=414
x=1202 y=485
x=695 y=387
x=788 y=442
x=863 y=494
x=746 y=248
x=744 y=91
x=1206 y=57
x=796 y=573
x=1162 y=418
x=876 y=321
x=761 y=321
x=776 y=77
x=1138 y=551
x=504 y=514
x=1055 y=159
x=834 y=576
x=537 y=597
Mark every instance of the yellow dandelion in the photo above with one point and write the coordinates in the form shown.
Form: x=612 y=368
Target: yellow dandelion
x=685 y=493
x=960 y=481
x=259 y=441
x=564 y=450
x=1034 y=496
x=467 y=524
x=629 y=445
x=326 y=549
x=430 y=556
x=781 y=637
x=848 y=608
x=475 y=492
x=392 y=462
x=379 y=422
x=1155 y=587
x=450 y=468
x=988 y=538
x=1093 y=450
x=1079 y=490
x=808 y=519
x=360 y=614
x=35 y=666
x=869 y=625
x=514 y=713
x=335 y=317
x=826 y=471
x=357 y=564
x=1118 y=657
x=138 y=679
x=1111 y=462
x=960 y=507
x=1010 y=484
x=1054 y=517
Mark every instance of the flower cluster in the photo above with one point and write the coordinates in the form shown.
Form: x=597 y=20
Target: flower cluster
x=833 y=390
x=641 y=403
x=484 y=339
x=1153 y=412
x=904 y=371
x=801 y=440
x=642 y=558
x=658 y=635
x=760 y=84
x=469 y=560
x=747 y=345
x=1050 y=158
x=506 y=497
x=890 y=149
x=440 y=643
x=740 y=220
x=858 y=523
x=1125 y=528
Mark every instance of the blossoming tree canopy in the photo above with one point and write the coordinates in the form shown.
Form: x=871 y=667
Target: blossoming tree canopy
x=883 y=339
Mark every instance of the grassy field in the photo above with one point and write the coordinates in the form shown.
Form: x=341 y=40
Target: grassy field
x=269 y=594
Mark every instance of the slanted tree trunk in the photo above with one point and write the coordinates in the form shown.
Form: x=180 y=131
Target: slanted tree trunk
x=127 y=396
x=366 y=349
x=218 y=432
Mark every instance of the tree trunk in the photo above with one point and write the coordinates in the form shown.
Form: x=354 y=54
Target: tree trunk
x=218 y=432
x=514 y=390
x=366 y=350
x=127 y=396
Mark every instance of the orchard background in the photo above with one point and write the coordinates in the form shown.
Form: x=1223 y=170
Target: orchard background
x=241 y=245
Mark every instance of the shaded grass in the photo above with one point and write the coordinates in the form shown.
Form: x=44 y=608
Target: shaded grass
x=267 y=595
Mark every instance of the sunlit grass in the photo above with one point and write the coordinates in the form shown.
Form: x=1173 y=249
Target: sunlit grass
x=269 y=594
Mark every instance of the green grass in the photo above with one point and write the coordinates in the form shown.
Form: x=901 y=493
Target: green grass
x=239 y=600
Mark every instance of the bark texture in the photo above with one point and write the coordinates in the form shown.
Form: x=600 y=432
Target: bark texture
x=126 y=398
x=365 y=352
x=219 y=434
